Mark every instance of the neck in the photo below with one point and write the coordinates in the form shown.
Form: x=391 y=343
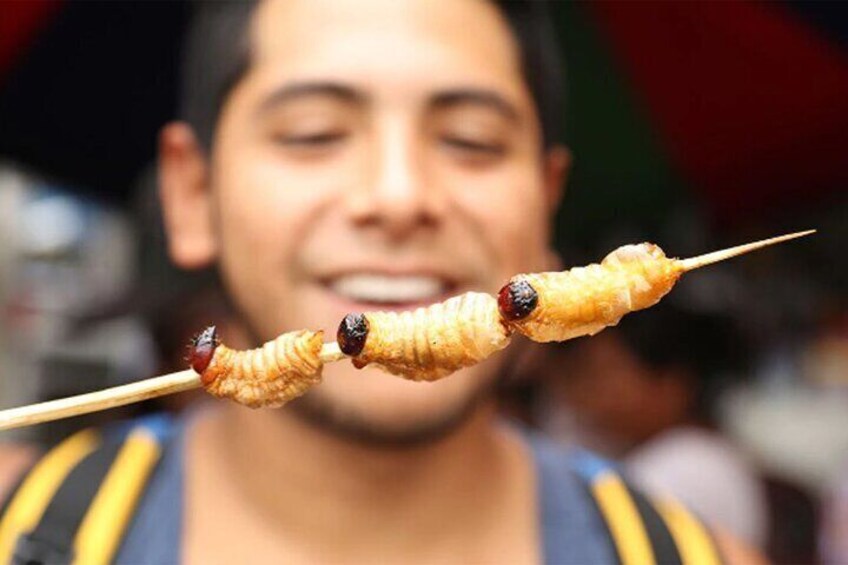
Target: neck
x=342 y=494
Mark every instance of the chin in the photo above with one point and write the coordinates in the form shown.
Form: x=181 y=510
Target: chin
x=372 y=407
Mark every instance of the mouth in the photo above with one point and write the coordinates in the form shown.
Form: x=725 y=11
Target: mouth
x=378 y=290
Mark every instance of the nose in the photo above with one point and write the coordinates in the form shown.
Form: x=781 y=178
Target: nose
x=395 y=195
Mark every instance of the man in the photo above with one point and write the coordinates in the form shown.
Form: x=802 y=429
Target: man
x=374 y=155
x=369 y=155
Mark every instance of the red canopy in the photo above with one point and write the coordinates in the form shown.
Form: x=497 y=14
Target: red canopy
x=751 y=100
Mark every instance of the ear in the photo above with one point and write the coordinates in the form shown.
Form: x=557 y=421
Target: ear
x=557 y=166
x=185 y=197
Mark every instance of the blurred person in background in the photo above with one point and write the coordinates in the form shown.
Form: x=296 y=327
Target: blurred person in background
x=834 y=532
x=644 y=393
x=329 y=144
x=827 y=361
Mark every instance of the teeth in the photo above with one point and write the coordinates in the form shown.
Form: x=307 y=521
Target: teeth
x=389 y=289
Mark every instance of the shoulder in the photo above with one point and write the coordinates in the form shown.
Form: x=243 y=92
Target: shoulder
x=708 y=473
x=88 y=485
x=127 y=442
x=592 y=492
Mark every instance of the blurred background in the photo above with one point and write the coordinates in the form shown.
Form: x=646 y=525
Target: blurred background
x=694 y=125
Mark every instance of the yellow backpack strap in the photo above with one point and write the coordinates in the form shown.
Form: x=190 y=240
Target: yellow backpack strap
x=642 y=532
x=27 y=504
x=103 y=526
x=626 y=527
x=83 y=516
x=692 y=538
x=665 y=547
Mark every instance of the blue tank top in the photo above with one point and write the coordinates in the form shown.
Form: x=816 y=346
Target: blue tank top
x=571 y=528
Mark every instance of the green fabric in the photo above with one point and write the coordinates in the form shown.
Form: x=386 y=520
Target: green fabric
x=621 y=174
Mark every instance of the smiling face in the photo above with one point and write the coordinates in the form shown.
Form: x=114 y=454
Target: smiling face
x=375 y=155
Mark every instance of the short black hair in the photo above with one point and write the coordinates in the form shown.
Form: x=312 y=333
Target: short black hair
x=217 y=53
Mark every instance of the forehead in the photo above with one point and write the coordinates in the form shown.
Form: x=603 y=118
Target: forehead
x=394 y=41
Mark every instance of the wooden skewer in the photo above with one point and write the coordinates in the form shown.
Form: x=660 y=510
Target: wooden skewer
x=716 y=256
x=100 y=400
x=188 y=379
x=331 y=353
x=118 y=396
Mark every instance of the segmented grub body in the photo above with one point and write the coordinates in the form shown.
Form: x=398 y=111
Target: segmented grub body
x=429 y=343
x=269 y=376
x=585 y=300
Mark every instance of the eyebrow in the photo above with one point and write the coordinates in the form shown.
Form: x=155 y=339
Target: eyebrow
x=296 y=90
x=347 y=93
x=477 y=97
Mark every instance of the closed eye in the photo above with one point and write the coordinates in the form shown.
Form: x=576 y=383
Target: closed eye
x=311 y=140
x=473 y=146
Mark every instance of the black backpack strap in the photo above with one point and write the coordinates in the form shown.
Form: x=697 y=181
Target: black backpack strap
x=607 y=532
x=52 y=539
x=27 y=504
x=642 y=532
x=83 y=516
x=110 y=513
x=621 y=515
x=665 y=548
x=691 y=536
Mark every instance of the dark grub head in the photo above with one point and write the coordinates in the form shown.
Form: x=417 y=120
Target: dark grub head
x=353 y=331
x=517 y=300
x=202 y=349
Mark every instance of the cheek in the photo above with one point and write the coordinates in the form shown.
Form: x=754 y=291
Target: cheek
x=510 y=208
x=254 y=218
x=270 y=200
x=265 y=209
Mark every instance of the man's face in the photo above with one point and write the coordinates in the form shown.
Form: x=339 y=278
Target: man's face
x=376 y=155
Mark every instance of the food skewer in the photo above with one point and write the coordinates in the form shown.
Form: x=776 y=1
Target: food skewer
x=429 y=343
x=99 y=400
x=709 y=258
x=562 y=305
x=114 y=397
x=425 y=344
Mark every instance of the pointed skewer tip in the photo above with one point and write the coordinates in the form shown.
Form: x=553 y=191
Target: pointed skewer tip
x=716 y=256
